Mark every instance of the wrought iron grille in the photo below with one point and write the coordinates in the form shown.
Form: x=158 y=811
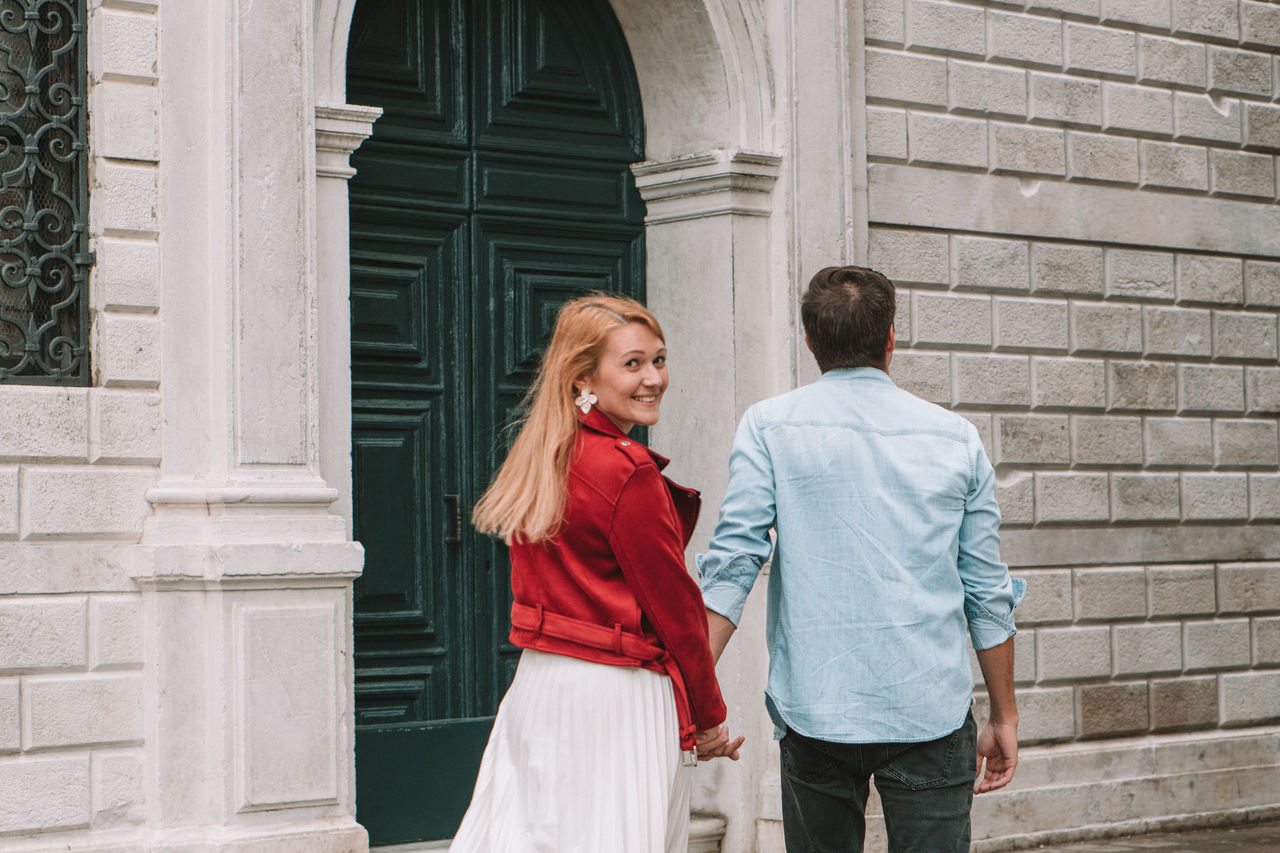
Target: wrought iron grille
x=44 y=257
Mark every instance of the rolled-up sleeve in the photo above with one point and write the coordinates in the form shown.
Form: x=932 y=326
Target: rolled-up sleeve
x=741 y=544
x=990 y=594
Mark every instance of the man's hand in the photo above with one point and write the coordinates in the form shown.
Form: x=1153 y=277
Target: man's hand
x=998 y=744
x=715 y=743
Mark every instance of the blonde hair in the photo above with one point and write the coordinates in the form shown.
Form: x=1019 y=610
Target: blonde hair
x=526 y=500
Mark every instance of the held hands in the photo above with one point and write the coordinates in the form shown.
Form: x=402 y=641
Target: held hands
x=715 y=743
x=998 y=744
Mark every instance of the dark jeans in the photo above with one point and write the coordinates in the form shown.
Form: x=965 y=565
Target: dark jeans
x=926 y=790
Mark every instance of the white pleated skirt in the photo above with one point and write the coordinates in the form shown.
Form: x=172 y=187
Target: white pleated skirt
x=583 y=758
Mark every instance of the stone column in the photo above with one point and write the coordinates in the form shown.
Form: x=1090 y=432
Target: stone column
x=245 y=569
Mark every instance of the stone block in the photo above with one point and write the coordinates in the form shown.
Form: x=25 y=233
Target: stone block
x=83 y=709
x=1145 y=497
x=982 y=423
x=1243 y=174
x=1245 y=443
x=1262 y=126
x=1105 y=595
x=945 y=26
x=128 y=197
x=946 y=318
x=1067 y=654
x=1266 y=641
x=127 y=274
x=1145 y=13
x=1179 y=442
x=909 y=257
x=129 y=348
x=1198 y=118
x=1178 y=331
x=10 y=716
x=124 y=426
x=39 y=794
x=115 y=631
x=1068 y=383
x=1260 y=24
x=1147 y=649
x=1174 y=61
x=1250 y=697
x=1137 y=109
x=1106 y=440
x=72 y=502
x=1221 y=644
x=886 y=133
x=1020 y=149
x=989 y=263
x=1046 y=714
x=8 y=502
x=884 y=20
x=1066 y=269
x=1242 y=72
x=126 y=45
x=1180 y=167
x=119 y=790
x=927 y=375
x=1101 y=50
x=1024 y=39
x=1215 y=497
x=132 y=131
x=1024 y=657
x=1207 y=278
x=946 y=140
x=1031 y=324
x=1070 y=100
x=1094 y=157
x=1015 y=493
x=1139 y=275
x=1181 y=591
x=1184 y=703
x=1218 y=19
x=1264 y=497
x=1035 y=439
x=42 y=633
x=980 y=88
x=1248 y=587
x=49 y=423
x=1087 y=8
x=901 y=77
x=1106 y=328
x=1210 y=389
x=1048 y=597
x=1142 y=385
x=1112 y=710
x=1262 y=283
x=993 y=380
x=1262 y=389
x=1062 y=497
x=1244 y=336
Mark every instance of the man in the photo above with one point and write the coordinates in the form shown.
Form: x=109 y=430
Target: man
x=886 y=565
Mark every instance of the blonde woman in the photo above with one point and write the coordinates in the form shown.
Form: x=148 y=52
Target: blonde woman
x=591 y=748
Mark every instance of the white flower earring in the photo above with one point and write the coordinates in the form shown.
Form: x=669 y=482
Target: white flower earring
x=585 y=401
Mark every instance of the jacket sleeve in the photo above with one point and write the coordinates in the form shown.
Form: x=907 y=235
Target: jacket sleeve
x=645 y=538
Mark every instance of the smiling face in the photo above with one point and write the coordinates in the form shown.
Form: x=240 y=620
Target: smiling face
x=631 y=377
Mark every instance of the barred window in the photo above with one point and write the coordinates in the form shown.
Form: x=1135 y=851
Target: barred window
x=44 y=250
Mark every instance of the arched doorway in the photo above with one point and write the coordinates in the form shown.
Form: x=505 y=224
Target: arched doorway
x=495 y=186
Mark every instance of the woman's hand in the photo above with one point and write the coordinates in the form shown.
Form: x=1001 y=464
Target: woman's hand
x=715 y=743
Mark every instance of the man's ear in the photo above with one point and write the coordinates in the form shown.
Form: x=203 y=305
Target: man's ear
x=888 y=349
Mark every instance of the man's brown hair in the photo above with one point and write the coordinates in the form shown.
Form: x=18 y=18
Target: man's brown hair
x=847 y=313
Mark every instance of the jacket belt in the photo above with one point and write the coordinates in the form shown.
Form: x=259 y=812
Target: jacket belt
x=625 y=644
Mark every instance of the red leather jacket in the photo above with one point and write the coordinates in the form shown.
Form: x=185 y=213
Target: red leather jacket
x=611 y=587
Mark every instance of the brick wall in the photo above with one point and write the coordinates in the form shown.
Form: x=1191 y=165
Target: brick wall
x=74 y=467
x=1117 y=383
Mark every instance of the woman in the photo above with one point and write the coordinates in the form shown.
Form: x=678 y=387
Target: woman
x=591 y=746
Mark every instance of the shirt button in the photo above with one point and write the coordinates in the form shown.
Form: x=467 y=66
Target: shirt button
x=625 y=443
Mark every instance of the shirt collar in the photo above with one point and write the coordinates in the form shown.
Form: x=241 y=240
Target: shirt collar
x=868 y=374
x=598 y=422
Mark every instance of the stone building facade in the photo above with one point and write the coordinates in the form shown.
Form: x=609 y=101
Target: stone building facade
x=1077 y=199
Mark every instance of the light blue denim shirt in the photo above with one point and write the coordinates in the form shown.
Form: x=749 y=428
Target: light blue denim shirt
x=886 y=564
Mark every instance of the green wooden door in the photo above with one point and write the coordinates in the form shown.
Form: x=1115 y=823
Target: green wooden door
x=495 y=186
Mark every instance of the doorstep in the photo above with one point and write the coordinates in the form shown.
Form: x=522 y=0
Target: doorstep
x=705 y=834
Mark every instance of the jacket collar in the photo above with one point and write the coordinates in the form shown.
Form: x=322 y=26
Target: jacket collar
x=598 y=422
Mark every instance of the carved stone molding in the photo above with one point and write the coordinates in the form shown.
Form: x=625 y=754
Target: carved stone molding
x=339 y=132
x=716 y=183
